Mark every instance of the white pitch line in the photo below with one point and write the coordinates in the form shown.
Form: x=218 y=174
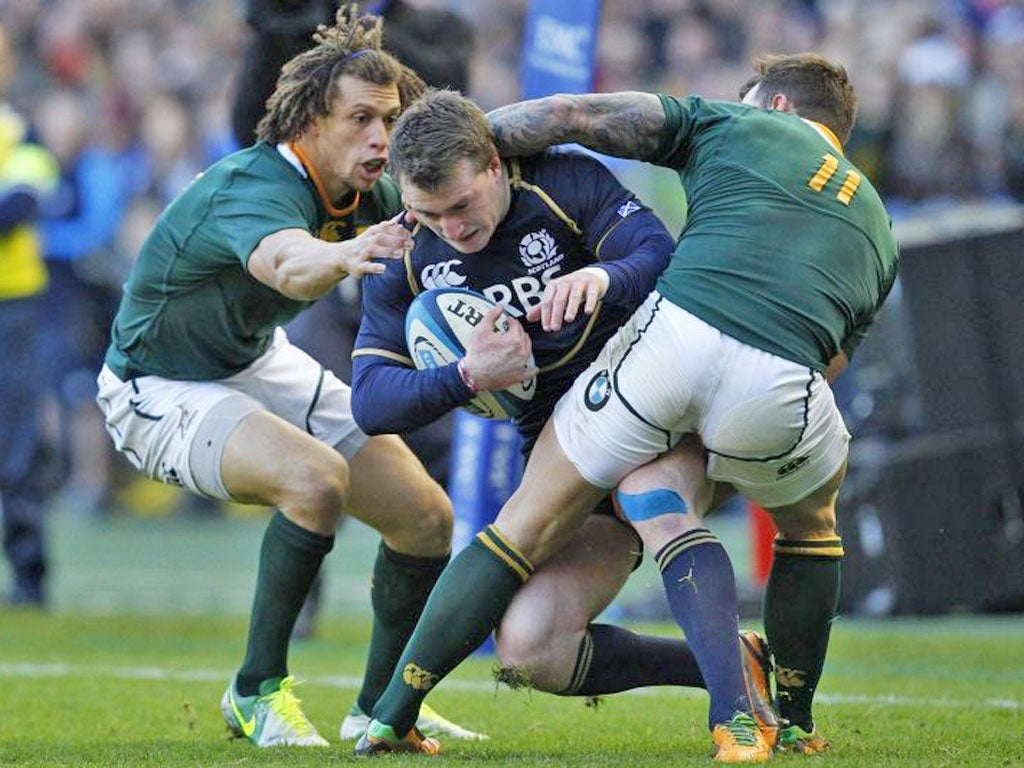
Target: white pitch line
x=62 y=670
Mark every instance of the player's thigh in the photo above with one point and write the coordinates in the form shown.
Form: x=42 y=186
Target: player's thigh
x=173 y=431
x=293 y=386
x=266 y=460
x=550 y=504
x=682 y=471
x=391 y=491
x=773 y=430
x=575 y=585
x=219 y=439
x=640 y=395
x=813 y=516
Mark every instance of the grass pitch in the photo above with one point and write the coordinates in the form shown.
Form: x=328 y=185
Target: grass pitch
x=143 y=691
x=148 y=625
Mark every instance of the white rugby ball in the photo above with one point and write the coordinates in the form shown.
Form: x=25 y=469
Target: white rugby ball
x=439 y=323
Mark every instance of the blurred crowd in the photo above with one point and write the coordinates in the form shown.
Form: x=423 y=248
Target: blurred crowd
x=941 y=82
x=133 y=98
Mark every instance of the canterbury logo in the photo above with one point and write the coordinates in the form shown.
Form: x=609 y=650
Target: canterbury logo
x=790 y=678
x=247 y=726
x=419 y=679
x=442 y=275
x=792 y=466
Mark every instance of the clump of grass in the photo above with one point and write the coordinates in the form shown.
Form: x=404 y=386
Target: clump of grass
x=516 y=678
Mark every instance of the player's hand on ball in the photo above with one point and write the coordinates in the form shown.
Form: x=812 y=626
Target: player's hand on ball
x=564 y=296
x=498 y=353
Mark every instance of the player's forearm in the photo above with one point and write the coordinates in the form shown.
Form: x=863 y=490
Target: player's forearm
x=626 y=124
x=634 y=255
x=392 y=399
x=301 y=268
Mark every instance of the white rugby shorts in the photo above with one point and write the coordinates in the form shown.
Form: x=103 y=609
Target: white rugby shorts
x=175 y=431
x=771 y=426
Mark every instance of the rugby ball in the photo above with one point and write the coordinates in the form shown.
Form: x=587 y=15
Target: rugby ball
x=439 y=323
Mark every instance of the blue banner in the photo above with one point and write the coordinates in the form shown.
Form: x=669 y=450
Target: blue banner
x=558 y=47
x=486 y=465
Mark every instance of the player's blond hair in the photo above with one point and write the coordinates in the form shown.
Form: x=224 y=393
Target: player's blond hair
x=819 y=89
x=308 y=85
x=434 y=134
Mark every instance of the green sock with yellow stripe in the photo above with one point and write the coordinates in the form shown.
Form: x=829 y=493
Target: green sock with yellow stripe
x=467 y=603
x=401 y=585
x=800 y=603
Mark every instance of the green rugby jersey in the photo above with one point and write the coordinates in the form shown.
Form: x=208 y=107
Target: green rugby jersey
x=190 y=309
x=787 y=247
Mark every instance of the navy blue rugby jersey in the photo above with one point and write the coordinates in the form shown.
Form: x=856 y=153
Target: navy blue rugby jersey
x=567 y=211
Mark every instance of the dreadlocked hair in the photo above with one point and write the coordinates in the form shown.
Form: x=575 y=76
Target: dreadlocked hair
x=308 y=84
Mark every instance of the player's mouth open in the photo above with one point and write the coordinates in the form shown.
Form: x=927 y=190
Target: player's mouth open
x=373 y=167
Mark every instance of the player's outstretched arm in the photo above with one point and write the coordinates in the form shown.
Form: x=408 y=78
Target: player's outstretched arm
x=303 y=267
x=626 y=124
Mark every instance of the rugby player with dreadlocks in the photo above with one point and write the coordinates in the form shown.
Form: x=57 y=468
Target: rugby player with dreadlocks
x=201 y=388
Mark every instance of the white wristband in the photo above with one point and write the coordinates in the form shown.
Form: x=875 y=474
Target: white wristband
x=464 y=374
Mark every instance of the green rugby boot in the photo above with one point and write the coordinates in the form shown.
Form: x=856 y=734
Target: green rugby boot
x=430 y=722
x=272 y=718
x=381 y=739
x=793 y=738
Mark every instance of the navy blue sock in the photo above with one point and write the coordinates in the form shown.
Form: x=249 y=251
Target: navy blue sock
x=701 y=589
x=613 y=659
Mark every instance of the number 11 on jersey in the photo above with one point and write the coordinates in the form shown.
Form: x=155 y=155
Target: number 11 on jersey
x=827 y=169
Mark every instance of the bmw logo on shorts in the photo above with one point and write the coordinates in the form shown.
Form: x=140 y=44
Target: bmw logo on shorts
x=599 y=390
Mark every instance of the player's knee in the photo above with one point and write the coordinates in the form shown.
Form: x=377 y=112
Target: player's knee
x=811 y=518
x=319 y=490
x=519 y=642
x=524 y=649
x=436 y=517
x=427 y=522
x=814 y=516
x=537 y=660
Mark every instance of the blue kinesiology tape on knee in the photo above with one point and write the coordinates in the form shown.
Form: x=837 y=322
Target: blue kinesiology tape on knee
x=650 y=504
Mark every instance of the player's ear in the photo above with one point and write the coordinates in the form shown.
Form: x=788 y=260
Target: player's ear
x=494 y=165
x=781 y=103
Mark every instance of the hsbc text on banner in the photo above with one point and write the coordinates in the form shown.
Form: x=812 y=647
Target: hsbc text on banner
x=559 y=46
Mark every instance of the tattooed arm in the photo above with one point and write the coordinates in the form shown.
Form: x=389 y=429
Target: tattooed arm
x=626 y=124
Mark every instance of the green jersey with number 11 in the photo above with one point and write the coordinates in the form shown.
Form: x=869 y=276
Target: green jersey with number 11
x=787 y=247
